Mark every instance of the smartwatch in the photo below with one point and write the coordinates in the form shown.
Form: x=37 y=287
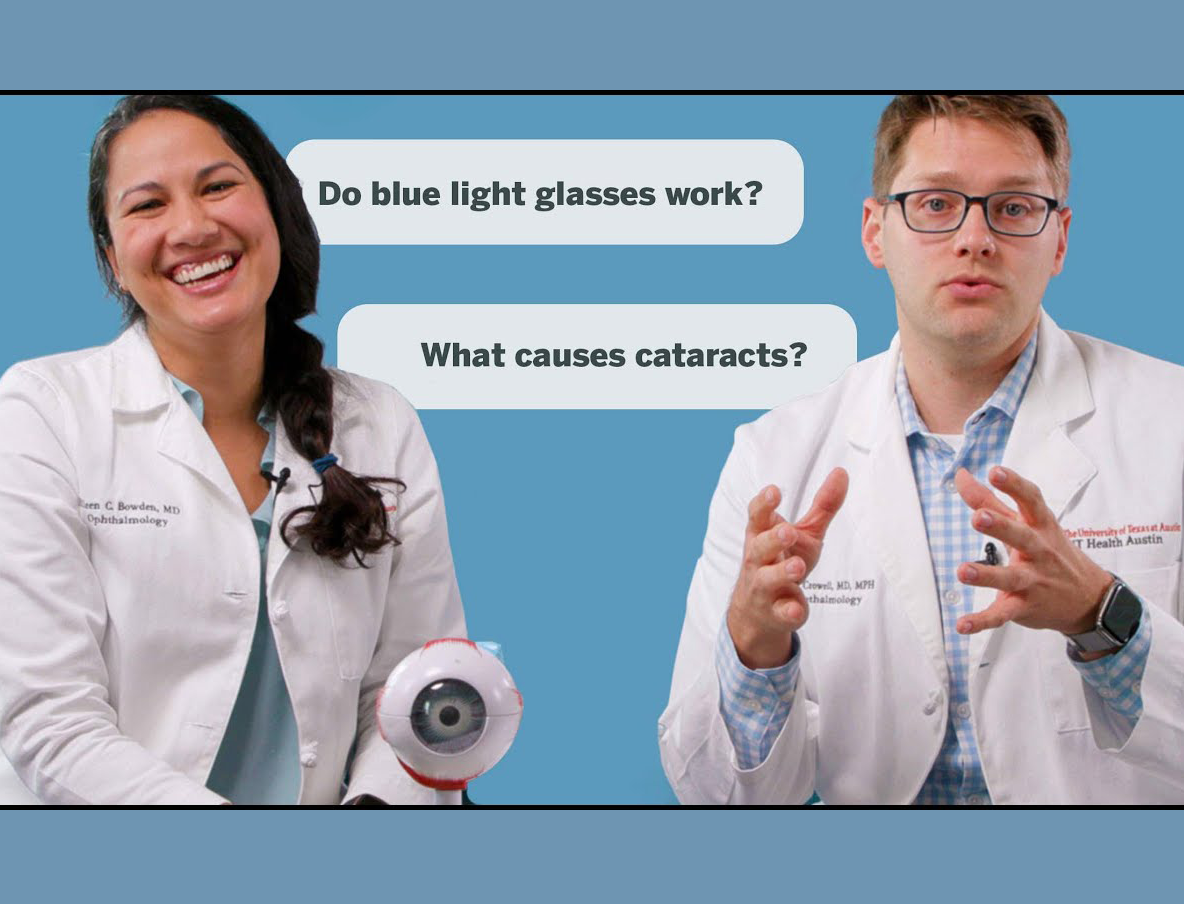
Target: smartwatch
x=1118 y=620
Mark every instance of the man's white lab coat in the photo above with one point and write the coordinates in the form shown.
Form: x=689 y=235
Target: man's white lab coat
x=1101 y=432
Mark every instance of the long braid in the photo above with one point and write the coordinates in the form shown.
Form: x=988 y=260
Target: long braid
x=350 y=519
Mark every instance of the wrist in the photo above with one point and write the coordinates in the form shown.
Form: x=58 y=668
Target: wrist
x=1098 y=586
x=758 y=648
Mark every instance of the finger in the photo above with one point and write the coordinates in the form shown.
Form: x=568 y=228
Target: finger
x=793 y=611
x=760 y=510
x=1014 y=532
x=1026 y=494
x=977 y=496
x=1004 y=609
x=771 y=546
x=781 y=579
x=1008 y=578
x=827 y=502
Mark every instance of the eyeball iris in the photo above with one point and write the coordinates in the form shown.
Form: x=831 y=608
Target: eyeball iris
x=448 y=716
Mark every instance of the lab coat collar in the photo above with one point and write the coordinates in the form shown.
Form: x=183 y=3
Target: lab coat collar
x=140 y=381
x=887 y=510
x=1058 y=385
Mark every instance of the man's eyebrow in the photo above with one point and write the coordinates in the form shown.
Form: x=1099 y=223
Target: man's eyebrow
x=156 y=186
x=949 y=178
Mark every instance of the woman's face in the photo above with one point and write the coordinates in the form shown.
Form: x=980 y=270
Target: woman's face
x=193 y=239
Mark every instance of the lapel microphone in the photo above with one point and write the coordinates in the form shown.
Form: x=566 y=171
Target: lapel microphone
x=278 y=479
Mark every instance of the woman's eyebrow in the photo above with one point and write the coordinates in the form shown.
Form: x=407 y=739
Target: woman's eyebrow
x=201 y=174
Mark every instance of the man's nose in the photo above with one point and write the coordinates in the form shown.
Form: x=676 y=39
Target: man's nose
x=191 y=223
x=974 y=236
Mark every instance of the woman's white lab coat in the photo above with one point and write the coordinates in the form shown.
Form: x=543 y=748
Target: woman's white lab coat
x=129 y=586
x=1101 y=432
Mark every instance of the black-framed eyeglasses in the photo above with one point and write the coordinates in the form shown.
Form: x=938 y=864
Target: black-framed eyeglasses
x=1018 y=213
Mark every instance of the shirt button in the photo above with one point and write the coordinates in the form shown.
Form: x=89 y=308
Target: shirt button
x=963 y=710
x=308 y=754
x=952 y=596
x=1137 y=687
x=975 y=800
x=752 y=705
x=279 y=611
x=1106 y=692
x=949 y=487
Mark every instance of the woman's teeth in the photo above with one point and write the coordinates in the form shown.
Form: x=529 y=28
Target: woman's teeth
x=187 y=273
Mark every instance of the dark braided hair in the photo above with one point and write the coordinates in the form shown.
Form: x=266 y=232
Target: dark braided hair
x=350 y=519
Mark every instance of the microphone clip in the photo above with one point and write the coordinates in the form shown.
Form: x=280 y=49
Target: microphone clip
x=278 y=479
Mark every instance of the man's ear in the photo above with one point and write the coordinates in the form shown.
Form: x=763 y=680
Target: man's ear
x=872 y=231
x=1065 y=215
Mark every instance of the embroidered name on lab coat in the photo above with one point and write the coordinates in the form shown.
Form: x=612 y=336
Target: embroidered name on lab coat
x=838 y=593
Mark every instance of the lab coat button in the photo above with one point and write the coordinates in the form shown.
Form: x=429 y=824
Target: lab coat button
x=279 y=611
x=963 y=710
x=930 y=707
x=308 y=754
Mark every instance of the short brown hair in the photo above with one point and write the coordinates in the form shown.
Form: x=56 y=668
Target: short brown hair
x=1035 y=112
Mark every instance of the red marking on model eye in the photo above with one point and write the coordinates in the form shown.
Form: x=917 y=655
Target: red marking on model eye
x=438 y=784
x=432 y=643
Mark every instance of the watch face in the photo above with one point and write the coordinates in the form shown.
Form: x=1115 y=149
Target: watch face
x=1123 y=613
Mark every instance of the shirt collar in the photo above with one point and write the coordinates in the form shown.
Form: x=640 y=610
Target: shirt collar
x=1005 y=399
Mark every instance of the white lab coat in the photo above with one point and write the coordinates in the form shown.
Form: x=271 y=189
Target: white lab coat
x=123 y=645
x=1101 y=432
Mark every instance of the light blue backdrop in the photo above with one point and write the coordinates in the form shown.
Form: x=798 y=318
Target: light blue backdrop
x=575 y=532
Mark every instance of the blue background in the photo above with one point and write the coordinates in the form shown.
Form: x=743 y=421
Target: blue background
x=575 y=533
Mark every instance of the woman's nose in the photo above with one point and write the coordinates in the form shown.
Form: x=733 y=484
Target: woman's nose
x=191 y=223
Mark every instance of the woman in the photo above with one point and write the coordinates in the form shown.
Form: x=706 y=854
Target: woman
x=202 y=590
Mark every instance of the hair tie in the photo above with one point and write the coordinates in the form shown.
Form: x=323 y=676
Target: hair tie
x=324 y=463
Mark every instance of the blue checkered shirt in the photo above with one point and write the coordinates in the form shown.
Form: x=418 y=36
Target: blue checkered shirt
x=755 y=704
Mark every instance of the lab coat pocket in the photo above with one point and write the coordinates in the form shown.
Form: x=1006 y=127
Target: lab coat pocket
x=1063 y=684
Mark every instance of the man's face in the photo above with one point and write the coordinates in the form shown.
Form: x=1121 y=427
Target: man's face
x=972 y=292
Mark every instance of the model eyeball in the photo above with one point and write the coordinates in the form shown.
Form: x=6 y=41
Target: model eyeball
x=448 y=716
x=450 y=712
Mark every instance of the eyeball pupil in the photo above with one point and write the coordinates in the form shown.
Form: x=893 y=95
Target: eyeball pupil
x=448 y=716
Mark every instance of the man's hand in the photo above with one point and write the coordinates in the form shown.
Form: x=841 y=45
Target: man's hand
x=1048 y=582
x=768 y=604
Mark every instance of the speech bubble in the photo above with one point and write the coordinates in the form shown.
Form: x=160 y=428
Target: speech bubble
x=551 y=192
x=598 y=356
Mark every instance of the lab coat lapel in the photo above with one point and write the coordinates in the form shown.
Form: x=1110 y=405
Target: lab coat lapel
x=184 y=440
x=303 y=488
x=1039 y=448
x=887 y=511
x=142 y=386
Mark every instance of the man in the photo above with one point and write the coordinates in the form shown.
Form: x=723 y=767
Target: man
x=882 y=613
